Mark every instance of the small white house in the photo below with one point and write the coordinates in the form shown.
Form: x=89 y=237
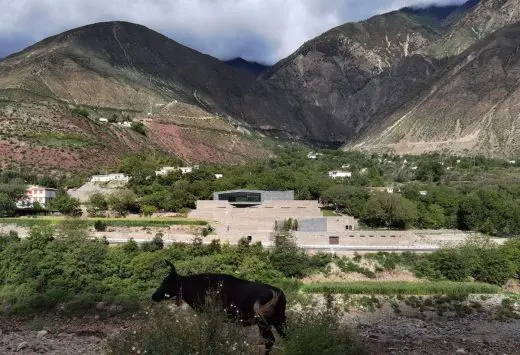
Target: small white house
x=35 y=193
x=103 y=120
x=336 y=174
x=110 y=177
x=219 y=176
x=512 y=162
x=423 y=193
x=165 y=170
x=311 y=155
x=345 y=166
x=414 y=168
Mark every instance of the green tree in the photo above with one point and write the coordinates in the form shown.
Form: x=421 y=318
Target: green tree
x=66 y=204
x=123 y=202
x=431 y=216
x=390 y=210
x=348 y=199
x=7 y=205
x=287 y=257
x=97 y=205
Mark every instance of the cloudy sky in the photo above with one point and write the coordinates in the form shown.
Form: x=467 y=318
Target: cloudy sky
x=259 y=30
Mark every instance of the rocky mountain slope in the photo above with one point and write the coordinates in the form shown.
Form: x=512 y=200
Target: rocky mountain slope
x=469 y=105
x=485 y=18
x=413 y=80
x=193 y=105
x=330 y=70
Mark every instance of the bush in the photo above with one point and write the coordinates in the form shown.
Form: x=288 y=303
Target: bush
x=287 y=257
x=207 y=333
x=139 y=127
x=320 y=333
x=100 y=226
x=80 y=112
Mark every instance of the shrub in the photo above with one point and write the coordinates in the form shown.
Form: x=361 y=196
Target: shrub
x=320 y=333
x=100 y=226
x=139 y=127
x=80 y=112
x=207 y=333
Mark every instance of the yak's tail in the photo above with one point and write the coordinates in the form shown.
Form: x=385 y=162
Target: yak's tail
x=265 y=310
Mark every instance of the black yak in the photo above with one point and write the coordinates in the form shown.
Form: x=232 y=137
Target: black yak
x=250 y=302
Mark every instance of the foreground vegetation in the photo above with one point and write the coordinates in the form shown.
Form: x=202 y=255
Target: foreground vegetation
x=59 y=266
x=212 y=333
x=403 y=288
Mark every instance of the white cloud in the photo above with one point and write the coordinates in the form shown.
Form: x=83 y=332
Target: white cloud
x=263 y=30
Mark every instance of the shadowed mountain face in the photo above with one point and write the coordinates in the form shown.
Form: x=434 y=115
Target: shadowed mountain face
x=253 y=68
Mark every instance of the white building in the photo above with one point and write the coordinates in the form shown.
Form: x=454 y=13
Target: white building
x=165 y=170
x=35 y=193
x=423 y=193
x=219 y=176
x=335 y=174
x=311 y=155
x=345 y=166
x=110 y=177
x=512 y=162
x=103 y=120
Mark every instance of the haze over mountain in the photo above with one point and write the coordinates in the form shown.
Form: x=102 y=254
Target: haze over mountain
x=369 y=85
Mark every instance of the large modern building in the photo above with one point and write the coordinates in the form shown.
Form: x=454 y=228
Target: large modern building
x=256 y=213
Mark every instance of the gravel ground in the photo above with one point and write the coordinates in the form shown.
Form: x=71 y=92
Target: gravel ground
x=384 y=331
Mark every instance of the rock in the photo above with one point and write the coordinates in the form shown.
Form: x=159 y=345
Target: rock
x=22 y=345
x=42 y=333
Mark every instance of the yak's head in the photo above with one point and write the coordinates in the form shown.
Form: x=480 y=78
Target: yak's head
x=170 y=286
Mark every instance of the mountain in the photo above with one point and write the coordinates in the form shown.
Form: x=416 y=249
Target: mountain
x=253 y=68
x=470 y=105
x=485 y=18
x=193 y=105
x=329 y=70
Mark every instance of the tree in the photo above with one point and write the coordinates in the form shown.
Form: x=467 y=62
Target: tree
x=287 y=257
x=348 y=199
x=390 y=210
x=432 y=216
x=66 y=204
x=97 y=205
x=48 y=181
x=7 y=205
x=123 y=202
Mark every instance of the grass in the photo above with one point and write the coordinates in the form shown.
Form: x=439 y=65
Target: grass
x=111 y=222
x=328 y=213
x=403 y=288
x=59 y=140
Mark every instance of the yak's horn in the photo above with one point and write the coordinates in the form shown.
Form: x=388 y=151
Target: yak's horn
x=267 y=309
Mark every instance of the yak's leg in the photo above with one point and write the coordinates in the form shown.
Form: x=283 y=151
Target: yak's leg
x=280 y=328
x=267 y=334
